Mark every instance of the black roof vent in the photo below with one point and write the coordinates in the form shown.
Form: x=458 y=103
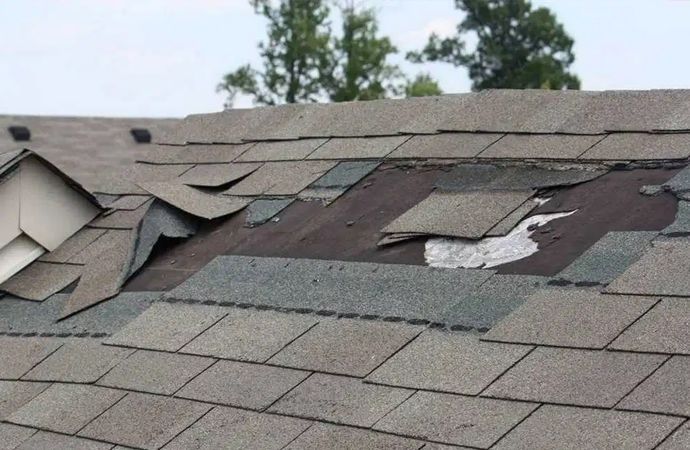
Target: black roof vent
x=141 y=135
x=20 y=133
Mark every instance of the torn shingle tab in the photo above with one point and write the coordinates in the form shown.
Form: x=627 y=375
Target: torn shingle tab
x=262 y=210
x=215 y=175
x=195 y=201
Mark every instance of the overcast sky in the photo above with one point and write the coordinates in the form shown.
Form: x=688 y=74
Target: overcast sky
x=163 y=58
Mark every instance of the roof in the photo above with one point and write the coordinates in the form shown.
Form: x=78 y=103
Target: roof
x=506 y=269
x=85 y=148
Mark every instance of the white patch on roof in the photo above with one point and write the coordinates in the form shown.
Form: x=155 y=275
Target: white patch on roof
x=488 y=252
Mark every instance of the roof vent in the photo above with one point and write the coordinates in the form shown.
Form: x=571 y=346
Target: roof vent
x=141 y=135
x=19 y=133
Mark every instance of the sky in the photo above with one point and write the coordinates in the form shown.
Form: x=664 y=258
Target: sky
x=163 y=58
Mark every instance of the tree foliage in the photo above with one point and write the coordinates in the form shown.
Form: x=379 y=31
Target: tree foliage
x=517 y=46
x=422 y=86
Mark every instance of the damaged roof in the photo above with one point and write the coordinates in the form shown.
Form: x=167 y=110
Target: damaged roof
x=503 y=269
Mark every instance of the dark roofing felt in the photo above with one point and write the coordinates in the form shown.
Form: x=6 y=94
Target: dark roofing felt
x=283 y=324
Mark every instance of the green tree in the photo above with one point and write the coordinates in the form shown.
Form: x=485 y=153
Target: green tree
x=517 y=46
x=422 y=86
x=296 y=57
x=360 y=59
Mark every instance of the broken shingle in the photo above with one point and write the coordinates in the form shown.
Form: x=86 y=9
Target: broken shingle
x=640 y=146
x=73 y=245
x=445 y=145
x=194 y=201
x=358 y=148
x=215 y=175
x=510 y=221
x=264 y=209
x=281 y=178
x=338 y=180
x=459 y=214
x=680 y=226
x=194 y=154
x=281 y=150
x=540 y=146
x=40 y=280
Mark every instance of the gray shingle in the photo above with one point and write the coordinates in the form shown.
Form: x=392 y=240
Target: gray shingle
x=73 y=245
x=214 y=175
x=52 y=441
x=194 y=154
x=281 y=150
x=340 y=400
x=667 y=391
x=681 y=225
x=448 y=362
x=679 y=440
x=459 y=214
x=19 y=355
x=583 y=428
x=570 y=318
x=166 y=327
x=194 y=201
x=264 y=209
x=40 y=280
x=338 y=180
x=121 y=219
x=83 y=362
x=251 y=386
x=347 y=347
x=322 y=435
x=129 y=202
x=540 y=146
x=662 y=270
x=12 y=435
x=609 y=257
x=15 y=394
x=358 y=148
x=574 y=377
x=100 y=246
x=127 y=180
x=155 y=372
x=281 y=178
x=640 y=146
x=452 y=419
x=144 y=420
x=65 y=408
x=664 y=329
x=510 y=221
x=445 y=145
x=250 y=335
x=234 y=428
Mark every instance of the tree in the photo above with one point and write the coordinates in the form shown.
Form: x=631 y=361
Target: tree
x=362 y=71
x=422 y=86
x=517 y=46
x=296 y=57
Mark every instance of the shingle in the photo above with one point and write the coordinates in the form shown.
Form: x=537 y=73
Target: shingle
x=155 y=372
x=583 y=428
x=52 y=441
x=574 y=377
x=281 y=178
x=214 y=175
x=451 y=419
x=127 y=180
x=662 y=270
x=428 y=114
x=664 y=329
x=681 y=225
x=121 y=219
x=347 y=347
x=19 y=355
x=100 y=246
x=445 y=145
x=510 y=221
x=281 y=150
x=540 y=146
x=83 y=362
x=570 y=318
x=40 y=280
x=15 y=394
x=144 y=420
x=322 y=435
x=666 y=391
x=234 y=428
x=250 y=335
x=65 y=408
x=459 y=214
x=194 y=201
x=244 y=385
x=358 y=148
x=679 y=440
x=640 y=146
x=194 y=154
x=338 y=180
x=448 y=362
x=12 y=435
x=73 y=245
x=166 y=327
x=340 y=400
x=264 y=209
x=609 y=257
x=129 y=202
